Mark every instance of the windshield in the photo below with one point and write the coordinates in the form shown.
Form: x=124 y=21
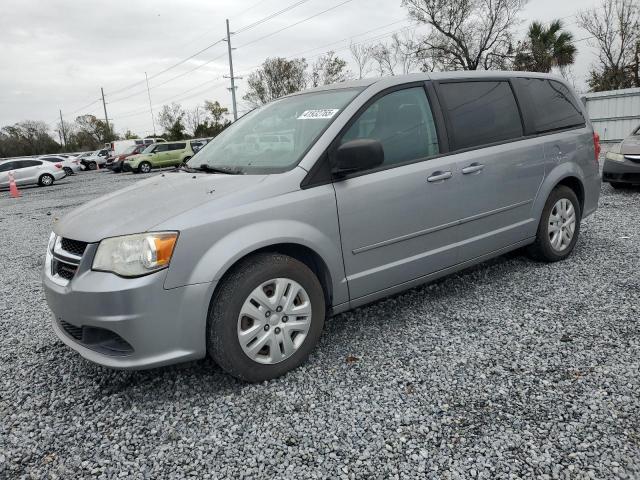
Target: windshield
x=130 y=150
x=274 y=137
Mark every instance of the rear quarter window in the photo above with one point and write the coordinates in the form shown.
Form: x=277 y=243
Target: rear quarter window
x=480 y=113
x=550 y=105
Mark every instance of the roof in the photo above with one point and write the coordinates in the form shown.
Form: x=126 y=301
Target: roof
x=417 y=77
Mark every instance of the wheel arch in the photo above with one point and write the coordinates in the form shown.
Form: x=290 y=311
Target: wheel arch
x=575 y=184
x=567 y=174
x=300 y=252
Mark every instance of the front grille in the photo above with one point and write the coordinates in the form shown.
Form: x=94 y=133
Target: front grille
x=63 y=269
x=98 y=339
x=73 y=246
x=67 y=255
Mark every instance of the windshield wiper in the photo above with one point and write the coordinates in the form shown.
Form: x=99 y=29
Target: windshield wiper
x=226 y=170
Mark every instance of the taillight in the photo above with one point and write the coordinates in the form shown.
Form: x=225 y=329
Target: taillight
x=75 y=162
x=58 y=165
x=596 y=145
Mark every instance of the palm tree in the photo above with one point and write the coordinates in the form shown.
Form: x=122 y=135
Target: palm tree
x=545 y=48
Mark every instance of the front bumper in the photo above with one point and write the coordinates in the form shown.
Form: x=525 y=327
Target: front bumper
x=128 y=167
x=623 y=172
x=127 y=323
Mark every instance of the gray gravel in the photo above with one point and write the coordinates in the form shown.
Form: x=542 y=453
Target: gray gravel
x=512 y=369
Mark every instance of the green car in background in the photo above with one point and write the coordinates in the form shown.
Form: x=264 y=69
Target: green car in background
x=160 y=155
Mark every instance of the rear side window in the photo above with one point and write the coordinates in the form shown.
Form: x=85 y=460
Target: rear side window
x=177 y=146
x=28 y=163
x=402 y=122
x=551 y=105
x=480 y=113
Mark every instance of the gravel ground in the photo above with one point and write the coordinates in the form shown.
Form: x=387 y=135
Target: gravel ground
x=512 y=369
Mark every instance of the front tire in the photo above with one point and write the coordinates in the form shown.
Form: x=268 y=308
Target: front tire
x=92 y=166
x=266 y=317
x=45 y=180
x=144 y=167
x=559 y=226
x=619 y=185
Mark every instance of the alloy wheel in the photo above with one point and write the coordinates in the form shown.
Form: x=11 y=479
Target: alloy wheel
x=562 y=224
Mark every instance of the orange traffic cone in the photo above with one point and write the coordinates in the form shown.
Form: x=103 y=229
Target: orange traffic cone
x=13 y=188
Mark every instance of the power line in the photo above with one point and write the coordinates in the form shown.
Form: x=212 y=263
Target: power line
x=170 y=79
x=294 y=24
x=248 y=8
x=151 y=77
x=361 y=42
x=133 y=113
x=270 y=16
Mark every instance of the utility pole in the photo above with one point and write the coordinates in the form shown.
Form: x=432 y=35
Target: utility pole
x=150 y=107
x=63 y=132
x=106 y=118
x=233 y=86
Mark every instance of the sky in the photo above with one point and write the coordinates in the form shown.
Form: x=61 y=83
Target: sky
x=57 y=54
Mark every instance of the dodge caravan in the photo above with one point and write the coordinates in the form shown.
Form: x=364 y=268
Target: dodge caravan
x=385 y=184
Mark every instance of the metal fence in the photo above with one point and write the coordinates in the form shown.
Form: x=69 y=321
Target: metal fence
x=614 y=113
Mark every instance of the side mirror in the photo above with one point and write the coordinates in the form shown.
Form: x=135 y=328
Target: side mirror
x=356 y=155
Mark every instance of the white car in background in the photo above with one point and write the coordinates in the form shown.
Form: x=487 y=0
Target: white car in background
x=96 y=159
x=70 y=164
x=30 y=172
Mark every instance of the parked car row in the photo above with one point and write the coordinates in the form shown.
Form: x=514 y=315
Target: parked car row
x=140 y=156
x=143 y=158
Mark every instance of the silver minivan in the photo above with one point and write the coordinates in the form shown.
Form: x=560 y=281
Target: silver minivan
x=388 y=183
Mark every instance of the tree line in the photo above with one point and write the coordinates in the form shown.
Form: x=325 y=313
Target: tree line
x=460 y=35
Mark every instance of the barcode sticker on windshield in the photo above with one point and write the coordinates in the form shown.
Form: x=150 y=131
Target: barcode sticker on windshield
x=322 y=113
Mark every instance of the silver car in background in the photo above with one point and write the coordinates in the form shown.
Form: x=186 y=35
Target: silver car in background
x=30 y=172
x=380 y=185
x=622 y=163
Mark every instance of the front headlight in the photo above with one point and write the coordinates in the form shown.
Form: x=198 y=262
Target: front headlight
x=614 y=154
x=135 y=255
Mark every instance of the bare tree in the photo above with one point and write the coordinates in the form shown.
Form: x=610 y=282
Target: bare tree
x=329 y=69
x=193 y=118
x=399 y=56
x=362 y=57
x=615 y=26
x=466 y=34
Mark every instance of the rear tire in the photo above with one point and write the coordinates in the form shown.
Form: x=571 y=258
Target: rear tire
x=557 y=232
x=144 y=167
x=45 y=180
x=278 y=281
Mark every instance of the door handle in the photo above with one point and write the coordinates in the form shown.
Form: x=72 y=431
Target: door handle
x=438 y=176
x=473 y=168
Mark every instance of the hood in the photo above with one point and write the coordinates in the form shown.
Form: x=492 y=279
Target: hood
x=145 y=204
x=631 y=146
